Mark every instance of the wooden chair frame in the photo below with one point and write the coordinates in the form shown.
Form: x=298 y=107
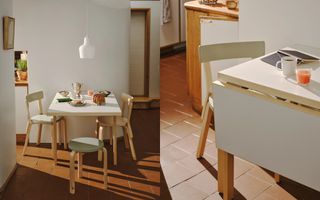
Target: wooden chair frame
x=38 y=96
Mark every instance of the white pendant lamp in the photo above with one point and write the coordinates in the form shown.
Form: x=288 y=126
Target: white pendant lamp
x=86 y=50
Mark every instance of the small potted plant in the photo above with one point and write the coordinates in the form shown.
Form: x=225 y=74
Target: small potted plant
x=22 y=70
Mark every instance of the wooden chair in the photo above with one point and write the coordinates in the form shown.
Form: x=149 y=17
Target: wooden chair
x=215 y=52
x=86 y=145
x=123 y=121
x=42 y=119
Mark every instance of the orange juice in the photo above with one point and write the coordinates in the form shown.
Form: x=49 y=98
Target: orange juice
x=303 y=76
x=90 y=92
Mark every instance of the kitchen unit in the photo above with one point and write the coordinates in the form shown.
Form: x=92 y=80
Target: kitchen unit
x=194 y=13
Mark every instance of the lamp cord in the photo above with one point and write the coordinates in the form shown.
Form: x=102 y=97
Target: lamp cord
x=87 y=18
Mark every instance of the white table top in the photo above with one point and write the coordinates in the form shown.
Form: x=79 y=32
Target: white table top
x=111 y=108
x=267 y=79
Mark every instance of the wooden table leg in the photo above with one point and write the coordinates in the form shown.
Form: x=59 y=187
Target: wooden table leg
x=54 y=140
x=115 y=144
x=72 y=173
x=220 y=170
x=226 y=161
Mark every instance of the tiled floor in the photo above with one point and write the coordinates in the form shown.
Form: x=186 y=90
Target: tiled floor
x=37 y=179
x=190 y=179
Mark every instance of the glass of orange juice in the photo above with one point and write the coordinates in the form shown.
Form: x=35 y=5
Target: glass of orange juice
x=303 y=76
x=90 y=92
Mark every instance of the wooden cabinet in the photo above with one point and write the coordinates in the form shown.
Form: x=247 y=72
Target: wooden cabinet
x=194 y=13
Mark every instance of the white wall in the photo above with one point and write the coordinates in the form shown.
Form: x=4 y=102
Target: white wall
x=154 y=84
x=280 y=23
x=7 y=105
x=52 y=32
x=213 y=32
x=169 y=32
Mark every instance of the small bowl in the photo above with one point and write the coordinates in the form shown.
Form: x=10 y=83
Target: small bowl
x=64 y=93
x=231 y=4
x=106 y=93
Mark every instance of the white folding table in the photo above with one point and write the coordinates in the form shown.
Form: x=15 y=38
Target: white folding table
x=110 y=109
x=269 y=120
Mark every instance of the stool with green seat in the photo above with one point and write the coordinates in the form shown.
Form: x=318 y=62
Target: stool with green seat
x=85 y=145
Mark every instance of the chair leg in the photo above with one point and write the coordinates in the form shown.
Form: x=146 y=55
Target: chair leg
x=100 y=133
x=72 y=173
x=65 y=135
x=39 y=133
x=105 y=168
x=110 y=135
x=115 y=143
x=97 y=127
x=204 y=131
x=54 y=141
x=125 y=137
x=130 y=136
x=59 y=131
x=28 y=129
x=80 y=157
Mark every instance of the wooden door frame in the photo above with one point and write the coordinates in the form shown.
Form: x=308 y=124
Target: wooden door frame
x=147 y=13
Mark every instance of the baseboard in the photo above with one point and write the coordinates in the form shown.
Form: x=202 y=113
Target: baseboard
x=172 y=49
x=3 y=187
x=20 y=138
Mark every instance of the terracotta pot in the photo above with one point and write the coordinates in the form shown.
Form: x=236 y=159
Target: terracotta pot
x=22 y=75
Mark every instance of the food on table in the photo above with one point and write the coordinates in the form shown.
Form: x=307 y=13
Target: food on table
x=99 y=99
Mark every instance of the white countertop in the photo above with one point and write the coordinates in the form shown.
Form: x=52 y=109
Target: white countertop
x=111 y=108
x=265 y=78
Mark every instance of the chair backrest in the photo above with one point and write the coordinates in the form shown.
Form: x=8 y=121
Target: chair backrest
x=36 y=96
x=127 y=104
x=225 y=51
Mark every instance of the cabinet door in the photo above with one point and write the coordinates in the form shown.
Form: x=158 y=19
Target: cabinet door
x=21 y=111
x=213 y=32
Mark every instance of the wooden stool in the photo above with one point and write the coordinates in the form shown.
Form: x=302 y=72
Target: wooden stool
x=85 y=145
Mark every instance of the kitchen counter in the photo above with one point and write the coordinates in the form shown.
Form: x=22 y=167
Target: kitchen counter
x=195 y=12
x=218 y=8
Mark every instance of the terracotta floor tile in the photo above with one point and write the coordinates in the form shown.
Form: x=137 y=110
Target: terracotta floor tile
x=182 y=129
x=215 y=196
x=171 y=154
x=167 y=138
x=262 y=174
x=250 y=187
x=192 y=163
x=175 y=174
x=276 y=192
x=172 y=117
x=188 y=144
x=196 y=121
x=204 y=182
x=186 y=191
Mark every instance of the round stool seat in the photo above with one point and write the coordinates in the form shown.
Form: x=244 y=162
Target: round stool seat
x=86 y=144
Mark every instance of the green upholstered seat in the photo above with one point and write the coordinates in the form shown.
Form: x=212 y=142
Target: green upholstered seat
x=86 y=144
